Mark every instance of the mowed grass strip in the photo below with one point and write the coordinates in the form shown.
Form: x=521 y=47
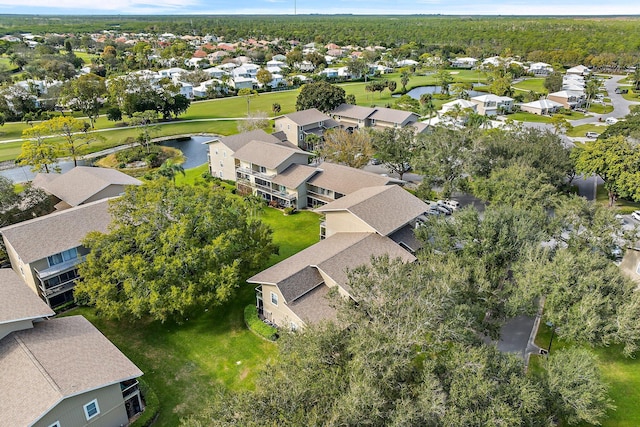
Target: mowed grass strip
x=188 y=363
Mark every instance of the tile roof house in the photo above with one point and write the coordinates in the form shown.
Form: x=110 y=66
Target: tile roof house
x=45 y=251
x=59 y=372
x=297 y=126
x=569 y=99
x=84 y=184
x=357 y=117
x=541 y=107
x=492 y=105
x=370 y=222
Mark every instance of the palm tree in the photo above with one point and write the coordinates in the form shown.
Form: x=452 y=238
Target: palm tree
x=428 y=107
x=404 y=80
x=591 y=90
x=169 y=169
x=635 y=78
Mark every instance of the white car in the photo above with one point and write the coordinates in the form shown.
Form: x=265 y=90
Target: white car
x=452 y=205
x=635 y=215
x=611 y=121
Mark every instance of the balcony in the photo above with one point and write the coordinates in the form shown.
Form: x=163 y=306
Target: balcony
x=267 y=189
x=58 y=289
x=128 y=388
x=59 y=268
x=252 y=172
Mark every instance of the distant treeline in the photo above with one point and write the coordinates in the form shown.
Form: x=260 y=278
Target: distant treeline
x=571 y=38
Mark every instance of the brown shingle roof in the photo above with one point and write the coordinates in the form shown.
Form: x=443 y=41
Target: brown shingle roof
x=345 y=179
x=295 y=175
x=359 y=254
x=268 y=155
x=307 y=117
x=385 y=208
x=353 y=111
x=315 y=306
x=313 y=255
x=17 y=301
x=56 y=359
x=82 y=182
x=50 y=234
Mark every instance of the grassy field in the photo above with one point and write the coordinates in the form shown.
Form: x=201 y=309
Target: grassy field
x=535 y=84
x=600 y=109
x=528 y=117
x=582 y=130
x=186 y=364
x=225 y=108
x=621 y=373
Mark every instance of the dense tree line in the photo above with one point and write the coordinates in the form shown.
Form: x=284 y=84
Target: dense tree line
x=556 y=40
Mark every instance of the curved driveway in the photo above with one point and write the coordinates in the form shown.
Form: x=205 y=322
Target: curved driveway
x=620 y=105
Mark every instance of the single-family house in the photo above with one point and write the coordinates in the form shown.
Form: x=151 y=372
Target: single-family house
x=299 y=125
x=45 y=251
x=59 y=372
x=541 y=107
x=172 y=72
x=569 y=99
x=458 y=104
x=243 y=83
x=579 y=70
x=406 y=63
x=540 y=69
x=83 y=184
x=371 y=222
x=491 y=105
x=464 y=62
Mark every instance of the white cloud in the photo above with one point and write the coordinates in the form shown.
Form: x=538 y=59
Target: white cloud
x=117 y=6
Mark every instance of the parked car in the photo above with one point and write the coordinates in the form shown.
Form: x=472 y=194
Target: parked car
x=592 y=134
x=453 y=205
x=611 y=121
x=441 y=208
x=635 y=215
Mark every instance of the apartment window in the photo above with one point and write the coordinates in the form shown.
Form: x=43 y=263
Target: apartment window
x=91 y=409
x=301 y=137
x=63 y=256
x=221 y=163
x=262 y=169
x=216 y=151
x=274 y=298
x=56 y=424
x=220 y=174
x=224 y=154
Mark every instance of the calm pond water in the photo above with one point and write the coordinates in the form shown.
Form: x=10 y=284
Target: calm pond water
x=417 y=91
x=194 y=149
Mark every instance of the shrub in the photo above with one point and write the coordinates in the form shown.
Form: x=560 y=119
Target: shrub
x=256 y=325
x=289 y=210
x=151 y=409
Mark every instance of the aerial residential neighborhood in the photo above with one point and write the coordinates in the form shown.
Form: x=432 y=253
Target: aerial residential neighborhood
x=296 y=218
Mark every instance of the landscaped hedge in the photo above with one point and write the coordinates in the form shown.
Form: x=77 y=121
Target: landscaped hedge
x=151 y=409
x=256 y=325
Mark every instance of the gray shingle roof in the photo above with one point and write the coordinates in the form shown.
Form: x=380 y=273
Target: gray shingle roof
x=295 y=175
x=352 y=111
x=80 y=183
x=17 y=301
x=268 y=155
x=236 y=142
x=345 y=179
x=56 y=359
x=385 y=208
x=391 y=115
x=50 y=234
x=306 y=117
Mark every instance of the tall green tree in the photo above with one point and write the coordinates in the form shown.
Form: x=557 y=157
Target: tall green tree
x=85 y=94
x=444 y=80
x=352 y=149
x=394 y=147
x=171 y=250
x=39 y=151
x=321 y=95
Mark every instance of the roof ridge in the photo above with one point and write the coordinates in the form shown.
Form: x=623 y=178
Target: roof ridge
x=57 y=213
x=37 y=364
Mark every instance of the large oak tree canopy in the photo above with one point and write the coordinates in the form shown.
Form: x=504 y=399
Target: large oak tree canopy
x=171 y=249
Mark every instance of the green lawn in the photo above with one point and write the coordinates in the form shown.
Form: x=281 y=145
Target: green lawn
x=623 y=206
x=583 y=129
x=528 y=117
x=600 y=109
x=535 y=84
x=186 y=364
x=621 y=373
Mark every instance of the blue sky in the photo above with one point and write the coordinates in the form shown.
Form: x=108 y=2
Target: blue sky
x=378 y=7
